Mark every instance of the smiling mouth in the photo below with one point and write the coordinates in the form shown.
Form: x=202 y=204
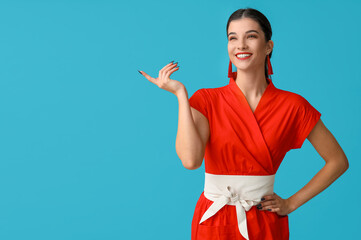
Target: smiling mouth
x=243 y=56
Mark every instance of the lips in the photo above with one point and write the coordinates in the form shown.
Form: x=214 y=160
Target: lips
x=243 y=53
x=244 y=58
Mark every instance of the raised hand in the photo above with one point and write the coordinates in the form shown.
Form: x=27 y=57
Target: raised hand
x=163 y=80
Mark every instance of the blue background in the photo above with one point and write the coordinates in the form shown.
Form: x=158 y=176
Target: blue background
x=87 y=144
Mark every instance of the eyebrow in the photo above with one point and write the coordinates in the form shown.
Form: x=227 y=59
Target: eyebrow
x=246 y=32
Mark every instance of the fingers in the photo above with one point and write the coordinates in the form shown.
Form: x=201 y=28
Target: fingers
x=164 y=72
x=269 y=197
x=172 y=65
x=171 y=71
x=151 y=79
x=270 y=202
x=167 y=66
x=274 y=210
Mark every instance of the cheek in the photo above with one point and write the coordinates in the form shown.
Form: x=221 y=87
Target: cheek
x=229 y=51
x=230 y=48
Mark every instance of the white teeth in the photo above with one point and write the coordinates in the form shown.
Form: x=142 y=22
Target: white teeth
x=243 y=55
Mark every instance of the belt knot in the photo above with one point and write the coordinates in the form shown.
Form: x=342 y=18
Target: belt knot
x=234 y=197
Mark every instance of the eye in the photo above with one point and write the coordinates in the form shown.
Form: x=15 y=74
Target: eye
x=254 y=36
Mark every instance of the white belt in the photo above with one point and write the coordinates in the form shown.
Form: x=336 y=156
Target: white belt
x=242 y=191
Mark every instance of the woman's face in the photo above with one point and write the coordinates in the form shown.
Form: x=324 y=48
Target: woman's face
x=245 y=35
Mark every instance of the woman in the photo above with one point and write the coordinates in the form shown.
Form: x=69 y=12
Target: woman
x=243 y=130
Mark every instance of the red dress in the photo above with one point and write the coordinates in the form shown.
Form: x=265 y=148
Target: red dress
x=245 y=143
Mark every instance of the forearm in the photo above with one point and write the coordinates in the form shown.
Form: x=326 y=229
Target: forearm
x=325 y=177
x=188 y=140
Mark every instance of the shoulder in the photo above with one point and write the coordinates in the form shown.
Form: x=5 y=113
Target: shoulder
x=212 y=93
x=292 y=99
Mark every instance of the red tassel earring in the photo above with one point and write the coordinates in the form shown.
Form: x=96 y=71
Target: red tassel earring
x=269 y=66
x=230 y=73
x=230 y=69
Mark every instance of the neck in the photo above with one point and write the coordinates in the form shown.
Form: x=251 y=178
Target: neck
x=252 y=83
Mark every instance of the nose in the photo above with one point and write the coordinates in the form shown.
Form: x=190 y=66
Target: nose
x=242 y=44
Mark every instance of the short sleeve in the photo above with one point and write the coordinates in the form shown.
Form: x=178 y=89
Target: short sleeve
x=306 y=118
x=199 y=101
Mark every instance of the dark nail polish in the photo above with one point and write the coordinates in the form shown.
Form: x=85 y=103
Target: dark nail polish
x=175 y=62
x=262 y=199
x=258 y=205
x=140 y=72
x=171 y=61
x=269 y=209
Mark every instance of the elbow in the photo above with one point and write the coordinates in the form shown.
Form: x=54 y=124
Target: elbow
x=190 y=167
x=343 y=165
x=190 y=161
x=346 y=165
x=340 y=164
x=193 y=165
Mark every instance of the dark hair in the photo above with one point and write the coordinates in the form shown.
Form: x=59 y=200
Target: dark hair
x=258 y=17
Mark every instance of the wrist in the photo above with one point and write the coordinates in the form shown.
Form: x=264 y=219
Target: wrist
x=181 y=91
x=291 y=204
